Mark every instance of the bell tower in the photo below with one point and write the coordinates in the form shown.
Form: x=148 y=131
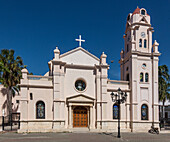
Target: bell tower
x=139 y=66
x=138 y=33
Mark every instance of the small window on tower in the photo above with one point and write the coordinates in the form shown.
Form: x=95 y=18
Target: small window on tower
x=127 y=77
x=145 y=43
x=140 y=42
x=141 y=77
x=31 y=96
x=143 y=12
x=146 y=77
x=127 y=47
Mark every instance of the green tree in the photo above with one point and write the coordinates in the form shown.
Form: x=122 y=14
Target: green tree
x=164 y=85
x=10 y=74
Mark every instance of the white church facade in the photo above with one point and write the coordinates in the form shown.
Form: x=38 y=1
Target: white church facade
x=75 y=93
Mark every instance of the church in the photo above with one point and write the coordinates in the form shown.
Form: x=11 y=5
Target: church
x=75 y=94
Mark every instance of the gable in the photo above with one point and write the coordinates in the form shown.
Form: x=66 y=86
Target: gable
x=79 y=56
x=80 y=98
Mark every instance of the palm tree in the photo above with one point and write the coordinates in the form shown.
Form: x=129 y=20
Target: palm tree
x=164 y=85
x=10 y=74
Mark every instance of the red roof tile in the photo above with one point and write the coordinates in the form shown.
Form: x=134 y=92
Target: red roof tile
x=137 y=11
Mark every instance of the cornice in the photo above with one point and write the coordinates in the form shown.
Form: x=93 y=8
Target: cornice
x=39 y=76
x=115 y=90
x=118 y=81
x=58 y=62
x=138 y=23
x=36 y=86
x=79 y=66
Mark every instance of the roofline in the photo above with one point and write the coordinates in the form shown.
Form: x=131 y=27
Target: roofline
x=79 y=48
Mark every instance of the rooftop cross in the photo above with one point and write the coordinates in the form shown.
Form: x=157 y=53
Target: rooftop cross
x=80 y=40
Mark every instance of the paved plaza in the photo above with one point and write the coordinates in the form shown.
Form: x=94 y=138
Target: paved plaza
x=83 y=137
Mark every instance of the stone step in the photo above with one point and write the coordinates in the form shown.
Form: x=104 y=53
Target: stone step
x=79 y=130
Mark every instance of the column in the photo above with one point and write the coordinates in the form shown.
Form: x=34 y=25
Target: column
x=70 y=116
x=91 y=117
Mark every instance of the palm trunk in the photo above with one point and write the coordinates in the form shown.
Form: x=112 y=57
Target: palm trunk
x=9 y=103
x=163 y=112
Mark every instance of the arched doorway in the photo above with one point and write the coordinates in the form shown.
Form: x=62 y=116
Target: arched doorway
x=80 y=117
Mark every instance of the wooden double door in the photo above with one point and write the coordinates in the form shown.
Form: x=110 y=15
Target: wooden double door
x=80 y=117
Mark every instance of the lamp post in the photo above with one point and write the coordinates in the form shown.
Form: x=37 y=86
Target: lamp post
x=119 y=97
x=3 y=119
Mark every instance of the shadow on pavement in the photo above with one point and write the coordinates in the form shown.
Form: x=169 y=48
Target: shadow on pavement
x=109 y=134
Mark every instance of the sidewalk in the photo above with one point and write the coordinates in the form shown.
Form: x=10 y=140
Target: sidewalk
x=83 y=137
x=165 y=130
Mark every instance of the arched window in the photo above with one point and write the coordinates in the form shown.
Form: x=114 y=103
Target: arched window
x=144 y=112
x=116 y=111
x=146 y=77
x=143 y=12
x=145 y=43
x=141 y=77
x=140 y=42
x=40 y=110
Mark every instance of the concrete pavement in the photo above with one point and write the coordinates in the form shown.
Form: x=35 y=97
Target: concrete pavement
x=83 y=137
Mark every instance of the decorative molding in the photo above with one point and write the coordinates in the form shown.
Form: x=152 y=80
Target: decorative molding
x=115 y=90
x=36 y=86
x=59 y=101
x=42 y=120
x=98 y=102
x=39 y=76
x=73 y=66
x=118 y=82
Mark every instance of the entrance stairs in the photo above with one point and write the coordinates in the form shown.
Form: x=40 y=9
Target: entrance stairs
x=80 y=130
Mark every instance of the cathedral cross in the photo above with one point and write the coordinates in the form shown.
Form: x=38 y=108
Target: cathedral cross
x=80 y=40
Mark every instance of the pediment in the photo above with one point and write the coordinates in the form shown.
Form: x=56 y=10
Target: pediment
x=80 y=98
x=144 y=20
x=79 y=56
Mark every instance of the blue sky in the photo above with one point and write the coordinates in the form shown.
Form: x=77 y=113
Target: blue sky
x=34 y=27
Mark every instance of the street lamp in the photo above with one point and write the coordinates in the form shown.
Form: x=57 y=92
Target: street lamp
x=3 y=119
x=119 y=97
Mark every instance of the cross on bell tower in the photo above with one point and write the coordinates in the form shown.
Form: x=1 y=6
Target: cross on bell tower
x=80 y=40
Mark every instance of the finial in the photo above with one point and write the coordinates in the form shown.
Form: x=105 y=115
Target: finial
x=137 y=7
x=103 y=55
x=56 y=50
x=156 y=43
x=24 y=70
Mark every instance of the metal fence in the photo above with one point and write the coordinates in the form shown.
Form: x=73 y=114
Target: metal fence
x=10 y=122
x=165 y=123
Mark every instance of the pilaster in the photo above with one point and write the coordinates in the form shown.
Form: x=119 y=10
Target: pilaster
x=24 y=100
x=104 y=74
x=57 y=83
